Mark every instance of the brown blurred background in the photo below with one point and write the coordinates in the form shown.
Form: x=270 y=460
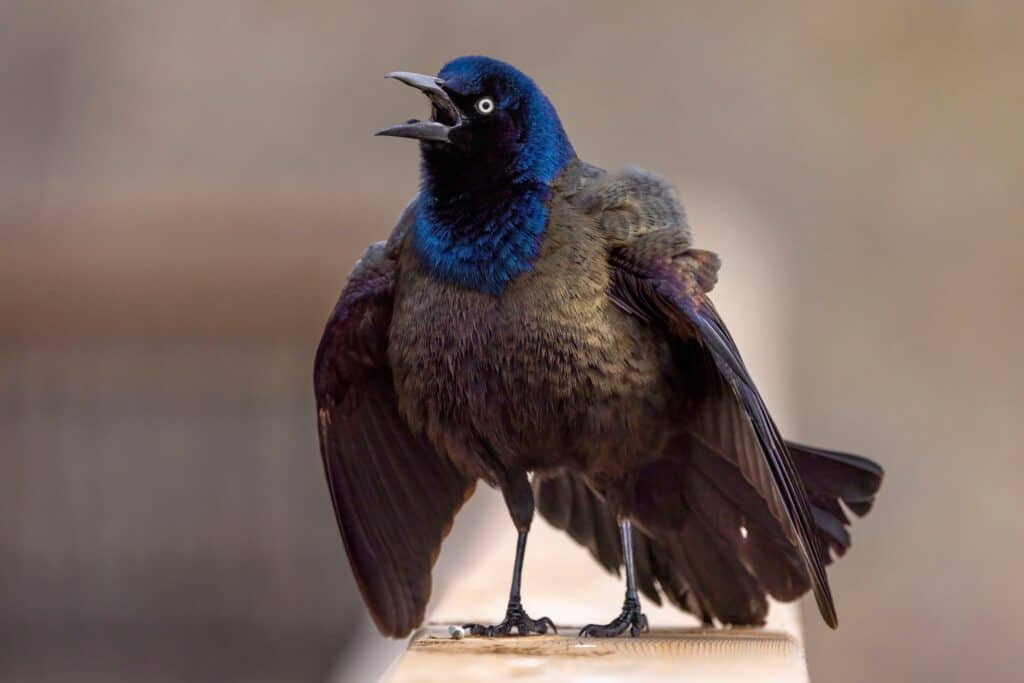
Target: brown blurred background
x=184 y=186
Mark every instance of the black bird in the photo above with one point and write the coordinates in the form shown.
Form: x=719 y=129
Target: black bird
x=531 y=313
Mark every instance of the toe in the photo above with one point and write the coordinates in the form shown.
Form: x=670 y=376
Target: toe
x=596 y=631
x=480 y=630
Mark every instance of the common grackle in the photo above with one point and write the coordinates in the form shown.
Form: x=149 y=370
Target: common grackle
x=531 y=313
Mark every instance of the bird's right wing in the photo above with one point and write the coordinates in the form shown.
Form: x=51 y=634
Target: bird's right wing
x=658 y=277
x=394 y=496
x=670 y=293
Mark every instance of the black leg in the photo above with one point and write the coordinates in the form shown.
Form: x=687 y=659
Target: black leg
x=519 y=498
x=631 y=617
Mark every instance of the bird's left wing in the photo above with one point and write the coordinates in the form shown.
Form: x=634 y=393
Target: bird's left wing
x=657 y=276
x=394 y=496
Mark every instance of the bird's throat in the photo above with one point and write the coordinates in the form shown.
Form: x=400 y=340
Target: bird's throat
x=481 y=240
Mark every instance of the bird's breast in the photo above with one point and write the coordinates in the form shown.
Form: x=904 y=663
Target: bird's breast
x=529 y=376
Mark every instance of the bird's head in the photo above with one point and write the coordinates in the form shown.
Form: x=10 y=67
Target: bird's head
x=489 y=119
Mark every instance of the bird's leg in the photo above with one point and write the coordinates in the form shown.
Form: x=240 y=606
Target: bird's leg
x=631 y=617
x=519 y=498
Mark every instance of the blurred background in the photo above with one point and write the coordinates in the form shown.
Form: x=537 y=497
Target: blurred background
x=184 y=186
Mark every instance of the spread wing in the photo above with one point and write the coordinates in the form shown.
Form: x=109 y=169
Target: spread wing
x=656 y=276
x=394 y=496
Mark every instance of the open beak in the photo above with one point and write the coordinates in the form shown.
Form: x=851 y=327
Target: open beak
x=445 y=116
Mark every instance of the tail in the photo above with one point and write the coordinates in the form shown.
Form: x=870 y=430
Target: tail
x=830 y=477
x=719 y=552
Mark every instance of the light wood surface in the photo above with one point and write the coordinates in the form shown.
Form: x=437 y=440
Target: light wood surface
x=561 y=581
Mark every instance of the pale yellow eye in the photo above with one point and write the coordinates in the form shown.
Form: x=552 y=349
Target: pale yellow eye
x=485 y=105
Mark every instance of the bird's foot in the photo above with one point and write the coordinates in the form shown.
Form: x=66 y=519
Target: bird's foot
x=515 y=618
x=631 y=618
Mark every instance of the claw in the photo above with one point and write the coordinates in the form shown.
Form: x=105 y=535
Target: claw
x=515 y=618
x=631 y=618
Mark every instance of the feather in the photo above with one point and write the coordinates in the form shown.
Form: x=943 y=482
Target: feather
x=371 y=458
x=674 y=295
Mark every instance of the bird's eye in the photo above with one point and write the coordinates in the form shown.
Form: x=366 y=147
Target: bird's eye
x=485 y=105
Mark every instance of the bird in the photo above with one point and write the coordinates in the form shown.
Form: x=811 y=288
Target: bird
x=544 y=326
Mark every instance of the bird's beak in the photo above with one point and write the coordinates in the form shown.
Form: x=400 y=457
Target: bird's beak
x=445 y=116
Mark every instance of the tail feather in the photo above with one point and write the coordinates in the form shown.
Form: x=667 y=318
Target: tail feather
x=831 y=523
x=567 y=503
x=646 y=554
x=833 y=475
x=718 y=551
x=732 y=594
x=830 y=477
x=724 y=502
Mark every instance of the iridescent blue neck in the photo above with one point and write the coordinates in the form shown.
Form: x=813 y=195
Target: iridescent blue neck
x=478 y=245
x=482 y=227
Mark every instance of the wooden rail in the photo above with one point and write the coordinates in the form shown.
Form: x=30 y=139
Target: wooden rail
x=561 y=581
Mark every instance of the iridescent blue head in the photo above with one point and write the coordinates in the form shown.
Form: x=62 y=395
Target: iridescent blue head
x=490 y=151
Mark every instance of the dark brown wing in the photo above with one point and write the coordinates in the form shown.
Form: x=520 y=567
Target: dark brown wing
x=670 y=290
x=394 y=496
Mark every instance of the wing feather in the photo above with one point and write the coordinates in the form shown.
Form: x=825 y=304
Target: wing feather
x=394 y=495
x=672 y=292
